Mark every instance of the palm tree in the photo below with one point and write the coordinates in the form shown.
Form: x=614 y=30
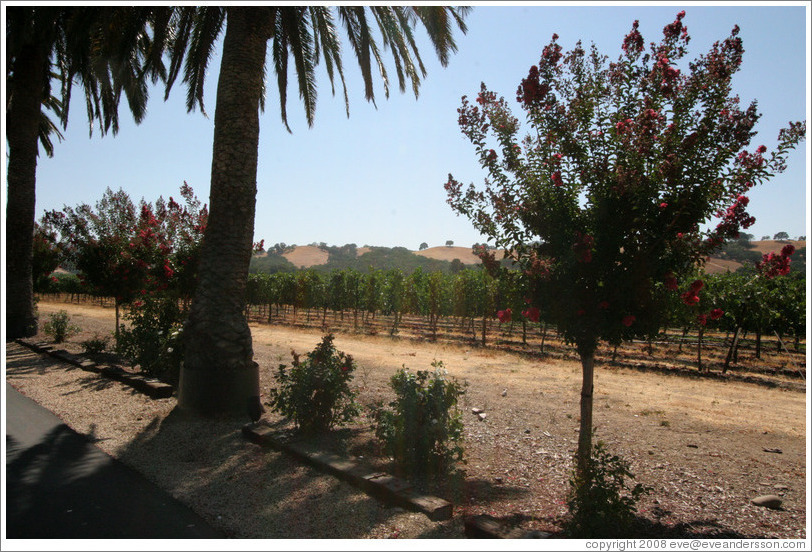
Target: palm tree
x=219 y=374
x=109 y=52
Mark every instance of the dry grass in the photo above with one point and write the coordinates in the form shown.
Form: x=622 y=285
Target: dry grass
x=443 y=253
x=715 y=266
x=305 y=256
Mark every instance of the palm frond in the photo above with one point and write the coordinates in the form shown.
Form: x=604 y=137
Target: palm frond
x=354 y=21
x=209 y=23
x=300 y=44
x=46 y=129
x=396 y=31
x=437 y=21
x=279 y=53
x=324 y=30
x=182 y=23
x=161 y=25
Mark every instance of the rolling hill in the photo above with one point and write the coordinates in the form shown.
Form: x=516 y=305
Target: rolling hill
x=307 y=256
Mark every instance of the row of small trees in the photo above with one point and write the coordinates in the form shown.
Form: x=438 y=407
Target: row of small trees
x=741 y=301
x=125 y=252
x=121 y=250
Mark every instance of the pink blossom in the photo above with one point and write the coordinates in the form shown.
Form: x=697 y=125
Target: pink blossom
x=532 y=314
x=690 y=298
x=671 y=282
x=633 y=42
x=773 y=265
x=787 y=250
x=504 y=315
x=716 y=314
x=628 y=320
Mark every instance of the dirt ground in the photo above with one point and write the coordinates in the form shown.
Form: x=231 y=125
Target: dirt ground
x=706 y=447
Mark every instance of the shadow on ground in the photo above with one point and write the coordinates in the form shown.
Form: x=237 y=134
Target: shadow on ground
x=248 y=491
x=60 y=485
x=241 y=489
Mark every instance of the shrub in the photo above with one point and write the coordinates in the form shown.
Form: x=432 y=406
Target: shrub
x=604 y=505
x=315 y=392
x=153 y=339
x=422 y=430
x=95 y=345
x=59 y=326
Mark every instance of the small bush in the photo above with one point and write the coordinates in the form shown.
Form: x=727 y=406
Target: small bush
x=153 y=339
x=59 y=327
x=315 y=392
x=604 y=505
x=422 y=429
x=95 y=345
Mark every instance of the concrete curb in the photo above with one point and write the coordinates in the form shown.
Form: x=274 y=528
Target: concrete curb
x=486 y=527
x=149 y=386
x=380 y=485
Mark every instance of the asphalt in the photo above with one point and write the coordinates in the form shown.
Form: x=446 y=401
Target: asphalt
x=59 y=484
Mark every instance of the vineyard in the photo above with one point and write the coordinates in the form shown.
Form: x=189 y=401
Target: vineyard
x=760 y=337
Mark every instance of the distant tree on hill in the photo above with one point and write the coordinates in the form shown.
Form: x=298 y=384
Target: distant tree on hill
x=271 y=263
x=740 y=249
x=279 y=248
x=423 y=246
x=780 y=236
x=449 y=243
x=764 y=238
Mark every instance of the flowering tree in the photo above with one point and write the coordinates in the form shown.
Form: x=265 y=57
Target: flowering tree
x=602 y=204
x=47 y=253
x=126 y=253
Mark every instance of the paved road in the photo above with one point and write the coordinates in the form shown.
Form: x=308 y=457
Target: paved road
x=60 y=485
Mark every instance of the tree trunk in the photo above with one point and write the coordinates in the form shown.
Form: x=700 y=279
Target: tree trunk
x=219 y=375
x=699 y=348
x=584 y=452
x=22 y=124
x=118 y=319
x=733 y=346
x=484 y=326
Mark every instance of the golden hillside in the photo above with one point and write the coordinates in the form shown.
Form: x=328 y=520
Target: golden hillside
x=305 y=256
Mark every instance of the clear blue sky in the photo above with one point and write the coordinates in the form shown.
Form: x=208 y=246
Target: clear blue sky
x=377 y=178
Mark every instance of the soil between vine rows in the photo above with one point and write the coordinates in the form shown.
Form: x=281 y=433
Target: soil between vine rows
x=706 y=446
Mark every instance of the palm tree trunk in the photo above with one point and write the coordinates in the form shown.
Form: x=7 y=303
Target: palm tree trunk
x=22 y=124
x=219 y=374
